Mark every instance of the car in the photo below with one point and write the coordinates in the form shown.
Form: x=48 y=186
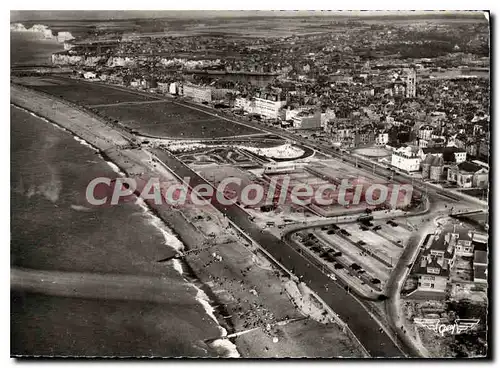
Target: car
x=333 y=277
x=356 y=267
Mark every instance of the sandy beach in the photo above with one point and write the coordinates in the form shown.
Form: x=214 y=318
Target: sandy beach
x=247 y=292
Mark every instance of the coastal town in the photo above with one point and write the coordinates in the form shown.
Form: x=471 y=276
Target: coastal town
x=368 y=136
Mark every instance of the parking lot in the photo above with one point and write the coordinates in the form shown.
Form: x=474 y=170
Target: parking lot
x=368 y=251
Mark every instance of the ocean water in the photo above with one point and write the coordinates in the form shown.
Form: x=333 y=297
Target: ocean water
x=30 y=49
x=53 y=228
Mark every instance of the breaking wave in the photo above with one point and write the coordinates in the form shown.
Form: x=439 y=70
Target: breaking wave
x=223 y=346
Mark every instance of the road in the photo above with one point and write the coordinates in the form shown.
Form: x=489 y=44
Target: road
x=360 y=162
x=378 y=343
x=366 y=329
x=315 y=145
x=399 y=274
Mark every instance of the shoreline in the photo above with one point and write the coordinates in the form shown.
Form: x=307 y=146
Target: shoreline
x=221 y=279
x=207 y=296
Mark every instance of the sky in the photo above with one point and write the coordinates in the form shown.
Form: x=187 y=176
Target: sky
x=24 y=15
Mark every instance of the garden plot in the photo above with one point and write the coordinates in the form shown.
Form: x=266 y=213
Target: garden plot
x=216 y=173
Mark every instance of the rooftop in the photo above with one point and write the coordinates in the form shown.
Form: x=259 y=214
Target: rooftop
x=469 y=167
x=480 y=257
x=481 y=272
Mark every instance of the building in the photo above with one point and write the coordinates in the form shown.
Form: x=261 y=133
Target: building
x=382 y=139
x=480 y=262
x=462 y=242
x=244 y=104
x=480 y=265
x=268 y=106
x=450 y=155
x=425 y=132
x=468 y=175
x=341 y=130
x=219 y=94
x=406 y=158
x=438 y=256
x=89 y=75
x=411 y=83
x=432 y=167
x=364 y=135
x=484 y=148
x=307 y=119
x=435 y=261
x=173 y=88
x=197 y=93
x=279 y=167
x=398 y=88
x=163 y=87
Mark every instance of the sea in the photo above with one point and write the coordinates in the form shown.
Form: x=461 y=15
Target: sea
x=53 y=229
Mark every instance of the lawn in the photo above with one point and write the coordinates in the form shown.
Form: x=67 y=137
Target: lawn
x=90 y=94
x=171 y=120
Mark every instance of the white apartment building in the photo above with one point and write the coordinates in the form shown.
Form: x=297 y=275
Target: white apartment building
x=268 y=107
x=163 y=87
x=173 y=88
x=198 y=93
x=411 y=83
x=425 y=132
x=382 y=139
x=244 y=104
x=406 y=159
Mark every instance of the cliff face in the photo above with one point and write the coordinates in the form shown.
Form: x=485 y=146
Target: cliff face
x=77 y=60
x=64 y=36
x=43 y=31
x=189 y=63
x=17 y=27
x=126 y=61
x=121 y=61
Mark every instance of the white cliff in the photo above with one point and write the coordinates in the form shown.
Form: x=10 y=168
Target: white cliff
x=43 y=31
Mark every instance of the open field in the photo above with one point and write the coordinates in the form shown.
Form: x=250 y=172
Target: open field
x=171 y=120
x=86 y=94
x=163 y=119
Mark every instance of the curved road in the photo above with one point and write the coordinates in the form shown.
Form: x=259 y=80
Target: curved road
x=348 y=308
x=366 y=329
